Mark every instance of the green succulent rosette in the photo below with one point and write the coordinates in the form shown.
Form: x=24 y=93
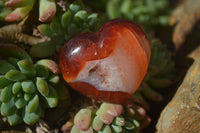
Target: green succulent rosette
x=110 y=118
x=63 y=26
x=147 y=12
x=161 y=69
x=26 y=89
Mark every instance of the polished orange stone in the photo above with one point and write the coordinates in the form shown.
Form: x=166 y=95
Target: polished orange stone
x=108 y=65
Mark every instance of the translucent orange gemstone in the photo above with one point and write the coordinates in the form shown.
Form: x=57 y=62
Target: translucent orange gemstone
x=108 y=65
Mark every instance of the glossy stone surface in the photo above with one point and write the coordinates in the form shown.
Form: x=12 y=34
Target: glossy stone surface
x=108 y=65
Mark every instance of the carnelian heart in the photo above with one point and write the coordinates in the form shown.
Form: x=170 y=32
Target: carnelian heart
x=108 y=65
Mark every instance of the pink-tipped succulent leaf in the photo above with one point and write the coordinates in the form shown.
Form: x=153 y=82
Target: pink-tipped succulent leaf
x=50 y=64
x=82 y=119
x=47 y=10
x=19 y=13
x=108 y=111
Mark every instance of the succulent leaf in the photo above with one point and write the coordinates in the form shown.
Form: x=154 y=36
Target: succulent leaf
x=6 y=94
x=74 y=130
x=47 y=9
x=115 y=128
x=42 y=86
x=108 y=111
x=113 y=109
x=50 y=64
x=41 y=71
x=66 y=18
x=27 y=96
x=106 y=129
x=15 y=118
x=97 y=123
x=56 y=26
x=46 y=30
x=4 y=82
x=72 y=29
x=52 y=97
x=104 y=116
x=43 y=49
x=80 y=16
x=54 y=79
x=82 y=119
x=75 y=6
x=26 y=68
x=9 y=50
x=16 y=87
x=33 y=104
x=93 y=21
x=20 y=103
x=13 y=61
x=32 y=118
x=8 y=108
x=20 y=12
x=129 y=125
x=119 y=121
x=28 y=86
x=5 y=67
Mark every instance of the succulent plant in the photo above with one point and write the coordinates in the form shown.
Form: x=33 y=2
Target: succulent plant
x=26 y=89
x=147 y=12
x=47 y=9
x=110 y=118
x=63 y=26
x=161 y=68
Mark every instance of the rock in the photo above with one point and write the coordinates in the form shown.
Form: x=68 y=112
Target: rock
x=182 y=114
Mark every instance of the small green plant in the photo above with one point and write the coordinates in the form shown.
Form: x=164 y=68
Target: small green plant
x=26 y=89
x=149 y=13
x=110 y=118
x=63 y=26
x=161 y=68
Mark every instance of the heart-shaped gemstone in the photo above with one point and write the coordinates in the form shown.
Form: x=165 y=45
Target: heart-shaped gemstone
x=108 y=65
